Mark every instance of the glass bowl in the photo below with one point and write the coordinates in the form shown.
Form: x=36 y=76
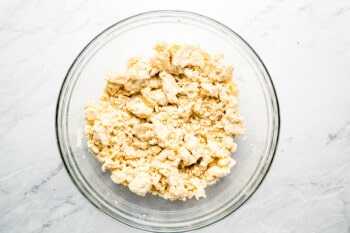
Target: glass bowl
x=136 y=36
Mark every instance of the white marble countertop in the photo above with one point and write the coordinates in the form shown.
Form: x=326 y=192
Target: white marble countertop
x=304 y=44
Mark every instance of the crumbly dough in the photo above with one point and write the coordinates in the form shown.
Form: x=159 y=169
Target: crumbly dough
x=166 y=125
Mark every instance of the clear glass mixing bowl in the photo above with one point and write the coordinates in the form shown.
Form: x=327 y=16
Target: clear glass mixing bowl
x=136 y=36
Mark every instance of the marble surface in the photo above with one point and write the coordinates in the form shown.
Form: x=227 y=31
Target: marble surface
x=304 y=44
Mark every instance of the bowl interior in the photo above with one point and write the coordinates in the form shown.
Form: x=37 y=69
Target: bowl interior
x=136 y=37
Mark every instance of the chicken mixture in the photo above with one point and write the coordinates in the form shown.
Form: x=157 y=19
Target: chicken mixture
x=167 y=124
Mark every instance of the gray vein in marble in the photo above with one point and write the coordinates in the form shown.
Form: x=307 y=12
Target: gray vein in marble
x=19 y=33
x=53 y=173
x=341 y=11
x=268 y=9
x=3 y=190
x=13 y=39
x=13 y=123
x=64 y=200
x=327 y=226
x=344 y=132
x=272 y=27
x=73 y=12
x=13 y=174
x=8 y=123
x=10 y=12
x=303 y=8
x=29 y=92
x=324 y=187
x=50 y=222
x=21 y=60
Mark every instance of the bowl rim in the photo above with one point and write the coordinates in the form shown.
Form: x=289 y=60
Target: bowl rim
x=266 y=167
